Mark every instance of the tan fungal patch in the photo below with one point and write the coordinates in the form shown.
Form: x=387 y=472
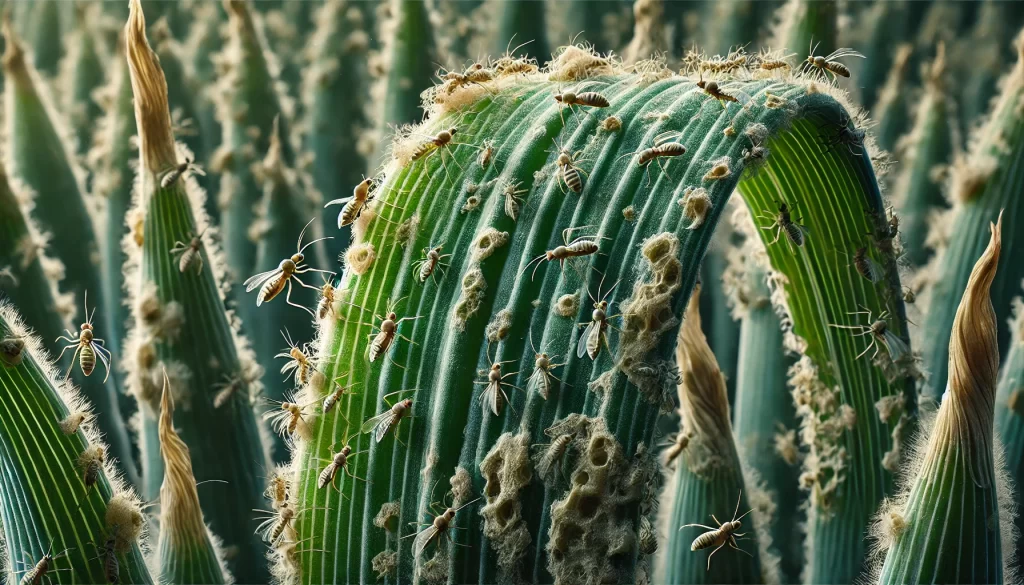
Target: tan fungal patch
x=969 y=176
x=629 y=214
x=695 y=203
x=486 y=243
x=124 y=520
x=567 y=305
x=70 y=424
x=472 y=202
x=648 y=316
x=387 y=516
x=499 y=326
x=435 y=569
x=719 y=170
x=385 y=564
x=590 y=525
x=472 y=296
x=12 y=351
x=786 y=447
x=462 y=486
x=575 y=63
x=611 y=124
x=359 y=257
x=506 y=471
x=887 y=406
x=822 y=431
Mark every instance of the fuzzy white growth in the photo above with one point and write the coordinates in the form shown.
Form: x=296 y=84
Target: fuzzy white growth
x=695 y=203
x=359 y=257
x=719 y=169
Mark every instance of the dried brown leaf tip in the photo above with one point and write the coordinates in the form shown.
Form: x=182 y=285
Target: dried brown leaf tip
x=181 y=518
x=152 y=115
x=974 y=364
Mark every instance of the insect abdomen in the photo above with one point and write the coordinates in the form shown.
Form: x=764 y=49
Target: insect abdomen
x=380 y=344
x=794 y=233
x=87 y=359
x=271 y=289
x=838 y=68
x=572 y=179
x=582 y=248
x=423 y=150
x=706 y=540
x=111 y=568
x=186 y=259
x=427 y=269
x=592 y=98
x=326 y=476
x=349 y=213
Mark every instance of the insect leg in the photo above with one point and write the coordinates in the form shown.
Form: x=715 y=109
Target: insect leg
x=713 y=554
x=288 y=299
x=74 y=358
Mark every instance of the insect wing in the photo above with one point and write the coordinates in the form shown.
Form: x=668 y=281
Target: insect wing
x=255 y=281
x=584 y=342
x=898 y=349
x=326 y=476
x=424 y=538
x=539 y=380
x=371 y=423
x=492 y=398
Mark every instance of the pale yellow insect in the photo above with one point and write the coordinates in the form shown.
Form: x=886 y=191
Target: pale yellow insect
x=37 y=571
x=189 y=254
x=666 y=145
x=338 y=462
x=355 y=204
x=494 y=393
x=595 y=334
x=881 y=336
x=276 y=526
x=581 y=246
x=509 y=65
x=175 y=173
x=87 y=346
x=474 y=74
x=569 y=170
x=326 y=304
x=554 y=456
x=439 y=527
x=826 y=65
x=433 y=260
x=442 y=142
x=380 y=424
x=542 y=379
x=272 y=282
x=298 y=360
x=384 y=338
x=332 y=399
x=511 y=193
x=286 y=419
x=590 y=99
x=722 y=535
